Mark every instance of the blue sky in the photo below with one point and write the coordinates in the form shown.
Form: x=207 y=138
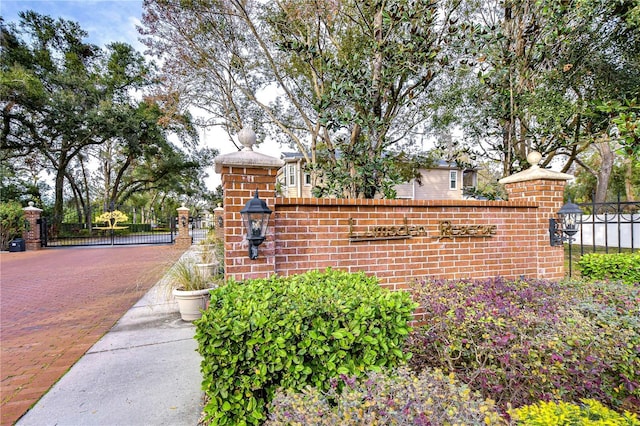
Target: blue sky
x=105 y=20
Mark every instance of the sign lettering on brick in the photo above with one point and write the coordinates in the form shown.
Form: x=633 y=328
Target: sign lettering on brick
x=448 y=230
x=405 y=231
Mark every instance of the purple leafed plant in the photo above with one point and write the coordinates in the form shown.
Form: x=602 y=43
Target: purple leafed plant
x=519 y=341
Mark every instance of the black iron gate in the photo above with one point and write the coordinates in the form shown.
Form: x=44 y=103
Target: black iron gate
x=108 y=233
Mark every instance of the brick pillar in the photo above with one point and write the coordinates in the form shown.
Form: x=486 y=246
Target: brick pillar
x=243 y=173
x=183 y=240
x=546 y=189
x=31 y=234
x=218 y=221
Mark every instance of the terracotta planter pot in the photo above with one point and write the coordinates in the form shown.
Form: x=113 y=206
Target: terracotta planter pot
x=191 y=303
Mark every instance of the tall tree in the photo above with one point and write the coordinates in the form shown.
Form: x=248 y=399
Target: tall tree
x=346 y=77
x=50 y=99
x=536 y=73
x=66 y=101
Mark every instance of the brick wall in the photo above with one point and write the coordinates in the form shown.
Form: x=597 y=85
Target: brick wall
x=306 y=234
x=548 y=194
x=239 y=185
x=314 y=234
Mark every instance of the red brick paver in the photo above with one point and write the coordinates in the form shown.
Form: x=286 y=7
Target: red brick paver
x=56 y=303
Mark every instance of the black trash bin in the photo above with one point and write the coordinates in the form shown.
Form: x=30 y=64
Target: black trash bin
x=17 y=244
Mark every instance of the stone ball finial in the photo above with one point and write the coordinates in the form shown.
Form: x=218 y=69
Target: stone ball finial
x=533 y=158
x=31 y=203
x=247 y=138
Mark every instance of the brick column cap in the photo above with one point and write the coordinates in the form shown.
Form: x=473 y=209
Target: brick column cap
x=247 y=157
x=535 y=172
x=183 y=209
x=31 y=208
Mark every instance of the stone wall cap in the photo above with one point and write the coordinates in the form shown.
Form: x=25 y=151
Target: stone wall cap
x=31 y=208
x=247 y=159
x=536 y=173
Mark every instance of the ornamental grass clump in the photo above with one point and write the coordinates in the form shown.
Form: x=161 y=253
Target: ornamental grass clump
x=395 y=398
x=521 y=341
x=264 y=334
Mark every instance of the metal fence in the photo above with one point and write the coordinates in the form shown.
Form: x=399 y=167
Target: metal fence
x=72 y=230
x=607 y=227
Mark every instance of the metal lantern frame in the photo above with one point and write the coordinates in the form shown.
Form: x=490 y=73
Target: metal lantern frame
x=255 y=217
x=566 y=226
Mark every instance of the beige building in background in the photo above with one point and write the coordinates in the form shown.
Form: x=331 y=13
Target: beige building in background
x=444 y=181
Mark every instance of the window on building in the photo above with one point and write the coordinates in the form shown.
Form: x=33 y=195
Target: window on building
x=292 y=175
x=453 y=179
x=307 y=179
x=468 y=178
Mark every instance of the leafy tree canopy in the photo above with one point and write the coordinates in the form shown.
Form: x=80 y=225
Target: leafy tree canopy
x=68 y=105
x=347 y=80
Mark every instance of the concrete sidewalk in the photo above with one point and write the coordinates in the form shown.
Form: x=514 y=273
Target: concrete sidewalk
x=144 y=371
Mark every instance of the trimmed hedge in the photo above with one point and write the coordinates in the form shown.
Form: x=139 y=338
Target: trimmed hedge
x=291 y=332
x=623 y=267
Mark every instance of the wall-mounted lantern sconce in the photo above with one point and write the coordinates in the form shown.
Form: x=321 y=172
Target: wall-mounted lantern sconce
x=183 y=221
x=255 y=216
x=566 y=226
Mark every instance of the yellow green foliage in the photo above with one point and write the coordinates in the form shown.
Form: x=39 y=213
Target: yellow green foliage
x=589 y=412
x=112 y=218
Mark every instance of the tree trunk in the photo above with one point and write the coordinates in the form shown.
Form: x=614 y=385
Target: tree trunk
x=87 y=204
x=58 y=200
x=606 y=168
x=628 y=180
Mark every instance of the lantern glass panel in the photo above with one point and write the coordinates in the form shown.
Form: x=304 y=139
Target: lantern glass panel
x=256 y=224
x=570 y=223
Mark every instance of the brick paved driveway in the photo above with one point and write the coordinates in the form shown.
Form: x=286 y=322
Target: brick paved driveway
x=56 y=303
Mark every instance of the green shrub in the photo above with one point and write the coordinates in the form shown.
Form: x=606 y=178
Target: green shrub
x=12 y=223
x=589 y=412
x=399 y=398
x=522 y=341
x=264 y=334
x=623 y=267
